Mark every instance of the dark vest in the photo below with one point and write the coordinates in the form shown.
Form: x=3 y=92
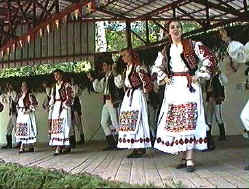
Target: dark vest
x=215 y=89
x=188 y=56
x=115 y=93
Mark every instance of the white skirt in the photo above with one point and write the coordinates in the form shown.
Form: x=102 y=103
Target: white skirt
x=181 y=122
x=26 y=130
x=60 y=125
x=134 y=129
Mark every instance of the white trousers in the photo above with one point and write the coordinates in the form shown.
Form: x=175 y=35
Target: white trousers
x=244 y=116
x=109 y=119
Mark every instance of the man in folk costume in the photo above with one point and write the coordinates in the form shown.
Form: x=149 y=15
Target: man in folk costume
x=45 y=103
x=11 y=98
x=239 y=54
x=215 y=97
x=76 y=115
x=26 y=129
x=111 y=85
x=60 y=114
x=181 y=124
x=47 y=90
x=134 y=132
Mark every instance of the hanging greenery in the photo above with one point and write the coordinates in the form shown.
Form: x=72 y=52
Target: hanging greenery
x=36 y=75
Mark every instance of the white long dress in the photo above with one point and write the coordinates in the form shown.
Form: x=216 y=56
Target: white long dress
x=181 y=122
x=134 y=129
x=26 y=130
x=61 y=121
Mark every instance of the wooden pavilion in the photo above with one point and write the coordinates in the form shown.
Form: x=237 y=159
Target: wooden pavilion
x=51 y=31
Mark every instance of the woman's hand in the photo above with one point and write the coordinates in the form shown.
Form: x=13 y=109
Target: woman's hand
x=195 y=79
x=167 y=80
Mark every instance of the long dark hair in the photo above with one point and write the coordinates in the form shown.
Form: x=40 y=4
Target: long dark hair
x=169 y=25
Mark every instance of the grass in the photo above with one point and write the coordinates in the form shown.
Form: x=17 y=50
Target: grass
x=15 y=176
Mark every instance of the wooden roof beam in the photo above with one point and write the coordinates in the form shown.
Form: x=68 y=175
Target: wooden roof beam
x=24 y=12
x=111 y=13
x=145 y=4
x=190 y=16
x=227 y=10
x=156 y=11
x=52 y=19
x=211 y=27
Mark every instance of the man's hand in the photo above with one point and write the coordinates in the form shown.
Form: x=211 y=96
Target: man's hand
x=115 y=69
x=89 y=76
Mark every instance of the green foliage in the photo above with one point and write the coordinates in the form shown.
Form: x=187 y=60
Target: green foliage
x=36 y=75
x=190 y=26
x=26 y=71
x=116 y=34
x=14 y=176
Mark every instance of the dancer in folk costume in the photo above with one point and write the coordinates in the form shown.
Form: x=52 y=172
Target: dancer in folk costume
x=111 y=85
x=76 y=115
x=45 y=104
x=134 y=132
x=181 y=124
x=11 y=99
x=239 y=53
x=215 y=97
x=26 y=129
x=47 y=90
x=60 y=114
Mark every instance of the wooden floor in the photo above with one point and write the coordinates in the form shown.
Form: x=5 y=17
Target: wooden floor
x=222 y=167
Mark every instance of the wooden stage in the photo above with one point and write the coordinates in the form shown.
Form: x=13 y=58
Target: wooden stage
x=222 y=167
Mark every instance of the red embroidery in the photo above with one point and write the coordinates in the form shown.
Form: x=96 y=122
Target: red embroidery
x=128 y=120
x=181 y=117
x=56 y=125
x=21 y=129
x=210 y=56
x=141 y=79
x=182 y=142
x=132 y=141
x=147 y=82
x=59 y=139
x=30 y=138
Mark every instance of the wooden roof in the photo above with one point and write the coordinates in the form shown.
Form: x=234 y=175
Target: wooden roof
x=208 y=13
x=197 y=10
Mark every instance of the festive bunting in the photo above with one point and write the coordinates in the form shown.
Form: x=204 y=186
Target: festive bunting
x=28 y=38
x=55 y=20
x=57 y=23
x=40 y=31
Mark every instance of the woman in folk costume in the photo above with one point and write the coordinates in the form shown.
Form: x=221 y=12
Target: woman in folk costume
x=181 y=123
x=60 y=114
x=134 y=132
x=26 y=130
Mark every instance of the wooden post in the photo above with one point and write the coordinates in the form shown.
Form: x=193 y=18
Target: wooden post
x=128 y=34
x=147 y=32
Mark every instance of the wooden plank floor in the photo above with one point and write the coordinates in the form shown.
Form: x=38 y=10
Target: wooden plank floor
x=222 y=167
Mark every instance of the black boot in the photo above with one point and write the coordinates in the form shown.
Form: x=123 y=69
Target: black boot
x=111 y=143
x=18 y=145
x=222 y=132
x=82 y=139
x=9 y=142
x=72 y=141
x=210 y=141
